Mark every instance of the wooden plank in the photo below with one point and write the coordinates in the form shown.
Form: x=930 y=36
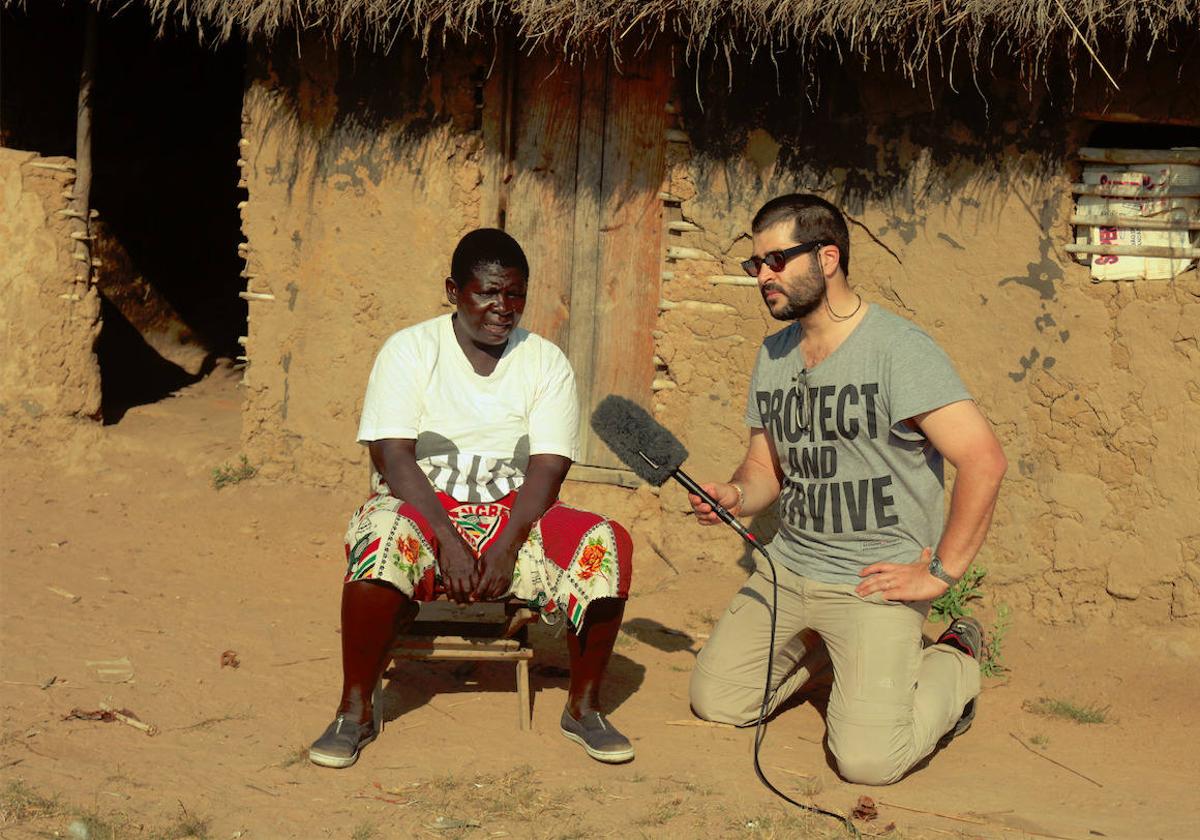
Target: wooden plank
x=491 y=612
x=1154 y=251
x=631 y=234
x=541 y=192
x=1089 y=154
x=732 y=280
x=604 y=475
x=463 y=642
x=1137 y=119
x=452 y=653
x=1140 y=222
x=589 y=173
x=81 y=189
x=1131 y=191
x=497 y=130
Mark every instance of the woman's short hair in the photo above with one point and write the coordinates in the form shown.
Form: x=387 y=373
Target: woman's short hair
x=812 y=218
x=486 y=247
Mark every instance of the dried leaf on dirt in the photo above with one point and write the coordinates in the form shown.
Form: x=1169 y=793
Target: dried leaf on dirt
x=865 y=809
x=230 y=658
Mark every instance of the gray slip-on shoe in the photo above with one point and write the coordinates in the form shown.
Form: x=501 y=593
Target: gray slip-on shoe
x=598 y=737
x=341 y=742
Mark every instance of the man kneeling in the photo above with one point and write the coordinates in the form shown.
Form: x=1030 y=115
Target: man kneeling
x=472 y=425
x=852 y=411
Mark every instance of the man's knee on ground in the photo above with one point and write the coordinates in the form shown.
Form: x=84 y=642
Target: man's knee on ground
x=868 y=767
x=723 y=702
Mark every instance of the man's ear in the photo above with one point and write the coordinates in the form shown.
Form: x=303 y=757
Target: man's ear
x=451 y=291
x=831 y=256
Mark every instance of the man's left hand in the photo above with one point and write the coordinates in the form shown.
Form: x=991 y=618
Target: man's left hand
x=496 y=571
x=902 y=581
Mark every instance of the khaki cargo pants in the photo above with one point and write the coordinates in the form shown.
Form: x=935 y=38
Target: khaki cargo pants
x=891 y=701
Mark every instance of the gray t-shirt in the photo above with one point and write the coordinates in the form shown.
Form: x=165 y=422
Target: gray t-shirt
x=859 y=485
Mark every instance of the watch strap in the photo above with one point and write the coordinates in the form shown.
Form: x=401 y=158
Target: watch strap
x=936 y=569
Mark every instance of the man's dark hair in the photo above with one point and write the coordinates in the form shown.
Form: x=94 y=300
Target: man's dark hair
x=486 y=247
x=812 y=218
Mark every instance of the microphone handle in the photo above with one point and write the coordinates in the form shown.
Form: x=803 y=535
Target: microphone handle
x=725 y=516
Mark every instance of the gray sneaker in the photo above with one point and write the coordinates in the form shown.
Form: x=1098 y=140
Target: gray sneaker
x=340 y=744
x=964 y=634
x=598 y=737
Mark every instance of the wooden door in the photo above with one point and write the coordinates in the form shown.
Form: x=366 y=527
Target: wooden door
x=577 y=181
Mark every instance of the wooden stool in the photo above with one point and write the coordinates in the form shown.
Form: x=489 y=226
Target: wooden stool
x=490 y=630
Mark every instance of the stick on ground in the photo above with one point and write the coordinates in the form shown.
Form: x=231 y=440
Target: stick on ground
x=149 y=729
x=1052 y=761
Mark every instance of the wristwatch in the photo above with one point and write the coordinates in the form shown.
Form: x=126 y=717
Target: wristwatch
x=935 y=569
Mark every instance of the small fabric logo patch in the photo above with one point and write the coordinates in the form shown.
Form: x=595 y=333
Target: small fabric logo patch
x=479 y=523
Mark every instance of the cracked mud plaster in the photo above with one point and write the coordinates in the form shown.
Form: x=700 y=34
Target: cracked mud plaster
x=371 y=191
x=1131 y=427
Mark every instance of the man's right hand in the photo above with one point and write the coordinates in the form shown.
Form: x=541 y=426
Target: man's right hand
x=456 y=562
x=724 y=493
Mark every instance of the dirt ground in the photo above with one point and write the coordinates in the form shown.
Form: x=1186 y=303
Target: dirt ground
x=126 y=575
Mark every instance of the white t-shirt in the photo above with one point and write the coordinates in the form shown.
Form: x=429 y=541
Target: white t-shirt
x=474 y=433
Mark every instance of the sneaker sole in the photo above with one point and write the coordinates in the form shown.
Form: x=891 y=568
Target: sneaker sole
x=327 y=760
x=606 y=757
x=337 y=762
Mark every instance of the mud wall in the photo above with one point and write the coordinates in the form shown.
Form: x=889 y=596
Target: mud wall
x=362 y=174
x=958 y=222
x=49 y=378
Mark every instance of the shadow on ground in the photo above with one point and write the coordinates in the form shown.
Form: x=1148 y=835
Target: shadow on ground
x=411 y=685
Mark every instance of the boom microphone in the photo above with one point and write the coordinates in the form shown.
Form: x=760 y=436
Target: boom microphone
x=653 y=453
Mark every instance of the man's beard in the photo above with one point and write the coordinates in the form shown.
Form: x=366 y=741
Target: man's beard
x=802 y=300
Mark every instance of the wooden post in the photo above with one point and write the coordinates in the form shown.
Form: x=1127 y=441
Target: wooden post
x=524 y=715
x=81 y=217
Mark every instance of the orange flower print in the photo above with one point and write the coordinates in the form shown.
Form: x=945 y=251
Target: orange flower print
x=590 y=561
x=410 y=549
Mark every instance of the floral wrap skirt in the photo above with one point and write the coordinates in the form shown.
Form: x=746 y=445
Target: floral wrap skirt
x=571 y=558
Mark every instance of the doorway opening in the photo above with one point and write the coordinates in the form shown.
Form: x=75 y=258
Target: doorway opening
x=166 y=121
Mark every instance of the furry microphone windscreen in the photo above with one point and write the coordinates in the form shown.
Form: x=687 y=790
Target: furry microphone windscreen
x=628 y=429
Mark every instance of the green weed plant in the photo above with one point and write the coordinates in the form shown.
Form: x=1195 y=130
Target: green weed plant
x=227 y=474
x=1067 y=710
x=958 y=601
x=992 y=664
x=955 y=602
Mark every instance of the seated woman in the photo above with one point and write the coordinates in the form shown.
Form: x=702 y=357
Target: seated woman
x=472 y=426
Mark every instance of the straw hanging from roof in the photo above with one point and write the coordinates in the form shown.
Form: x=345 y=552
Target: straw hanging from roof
x=917 y=33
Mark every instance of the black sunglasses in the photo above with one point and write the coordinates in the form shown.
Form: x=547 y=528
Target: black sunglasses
x=776 y=260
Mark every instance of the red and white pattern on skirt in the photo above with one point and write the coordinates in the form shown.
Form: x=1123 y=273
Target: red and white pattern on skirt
x=571 y=557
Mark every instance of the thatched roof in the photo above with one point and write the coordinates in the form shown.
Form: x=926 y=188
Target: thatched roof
x=917 y=34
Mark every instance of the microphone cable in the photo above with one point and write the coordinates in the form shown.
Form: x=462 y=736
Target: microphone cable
x=760 y=726
x=633 y=435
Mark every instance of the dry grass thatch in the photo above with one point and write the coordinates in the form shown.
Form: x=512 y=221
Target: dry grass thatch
x=920 y=36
